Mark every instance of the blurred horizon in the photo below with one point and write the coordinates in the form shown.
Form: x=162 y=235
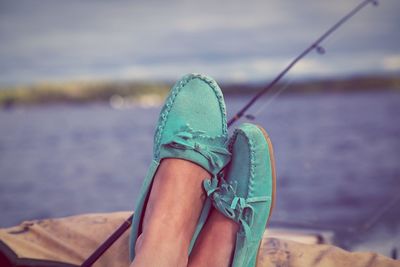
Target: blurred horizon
x=57 y=41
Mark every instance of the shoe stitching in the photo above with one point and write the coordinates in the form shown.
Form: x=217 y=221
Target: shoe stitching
x=171 y=99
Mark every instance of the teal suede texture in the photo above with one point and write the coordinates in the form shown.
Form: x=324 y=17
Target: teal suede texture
x=244 y=193
x=191 y=126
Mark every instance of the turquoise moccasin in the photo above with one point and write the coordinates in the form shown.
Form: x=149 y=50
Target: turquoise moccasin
x=191 y=126
x=246 y=192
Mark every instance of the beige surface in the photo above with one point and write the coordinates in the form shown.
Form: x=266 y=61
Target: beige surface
x=73 y=239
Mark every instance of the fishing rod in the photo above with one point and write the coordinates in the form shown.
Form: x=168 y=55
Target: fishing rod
x=314 y=46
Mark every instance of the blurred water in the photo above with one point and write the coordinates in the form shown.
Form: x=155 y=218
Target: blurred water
x=337 y=161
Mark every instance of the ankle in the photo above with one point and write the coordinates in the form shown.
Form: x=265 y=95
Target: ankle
x=166 y=228
x=163 y=237
x=224 y=227
x=219 y=235
x=169 y=252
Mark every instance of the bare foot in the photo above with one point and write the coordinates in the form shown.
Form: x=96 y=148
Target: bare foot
x=171 y=216
x=216 y=242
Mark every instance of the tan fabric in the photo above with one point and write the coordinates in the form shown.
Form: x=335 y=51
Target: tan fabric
x=283 y=253
x=73 y=239
x=70 y=239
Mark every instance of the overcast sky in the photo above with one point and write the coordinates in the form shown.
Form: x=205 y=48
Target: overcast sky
x=234 y=40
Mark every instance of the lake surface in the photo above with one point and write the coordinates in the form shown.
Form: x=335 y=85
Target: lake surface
x=337 y=155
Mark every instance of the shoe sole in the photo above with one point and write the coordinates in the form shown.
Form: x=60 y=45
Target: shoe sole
x=272 y=163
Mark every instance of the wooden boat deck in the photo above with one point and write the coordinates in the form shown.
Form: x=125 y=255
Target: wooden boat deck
x=69 y=241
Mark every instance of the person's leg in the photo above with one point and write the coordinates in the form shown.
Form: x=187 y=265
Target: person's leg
x=216 y=243
x=243 y=202
x=172 y=211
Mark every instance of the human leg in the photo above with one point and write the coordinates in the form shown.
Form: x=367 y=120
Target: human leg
x=244 y=202
x=192 y=127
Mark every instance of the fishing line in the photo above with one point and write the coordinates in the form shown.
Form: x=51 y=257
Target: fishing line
x=270 y=96
x=314 y=46
x=379 y=213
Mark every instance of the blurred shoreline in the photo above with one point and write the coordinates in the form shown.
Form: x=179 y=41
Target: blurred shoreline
x=126 y=93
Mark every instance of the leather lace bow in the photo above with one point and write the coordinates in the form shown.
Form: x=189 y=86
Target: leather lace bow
x=187 y=138
x=237 y=208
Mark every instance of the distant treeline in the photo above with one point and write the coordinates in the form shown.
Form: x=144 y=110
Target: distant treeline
x=84 y=92
x=77 y=92
x=349 y=84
